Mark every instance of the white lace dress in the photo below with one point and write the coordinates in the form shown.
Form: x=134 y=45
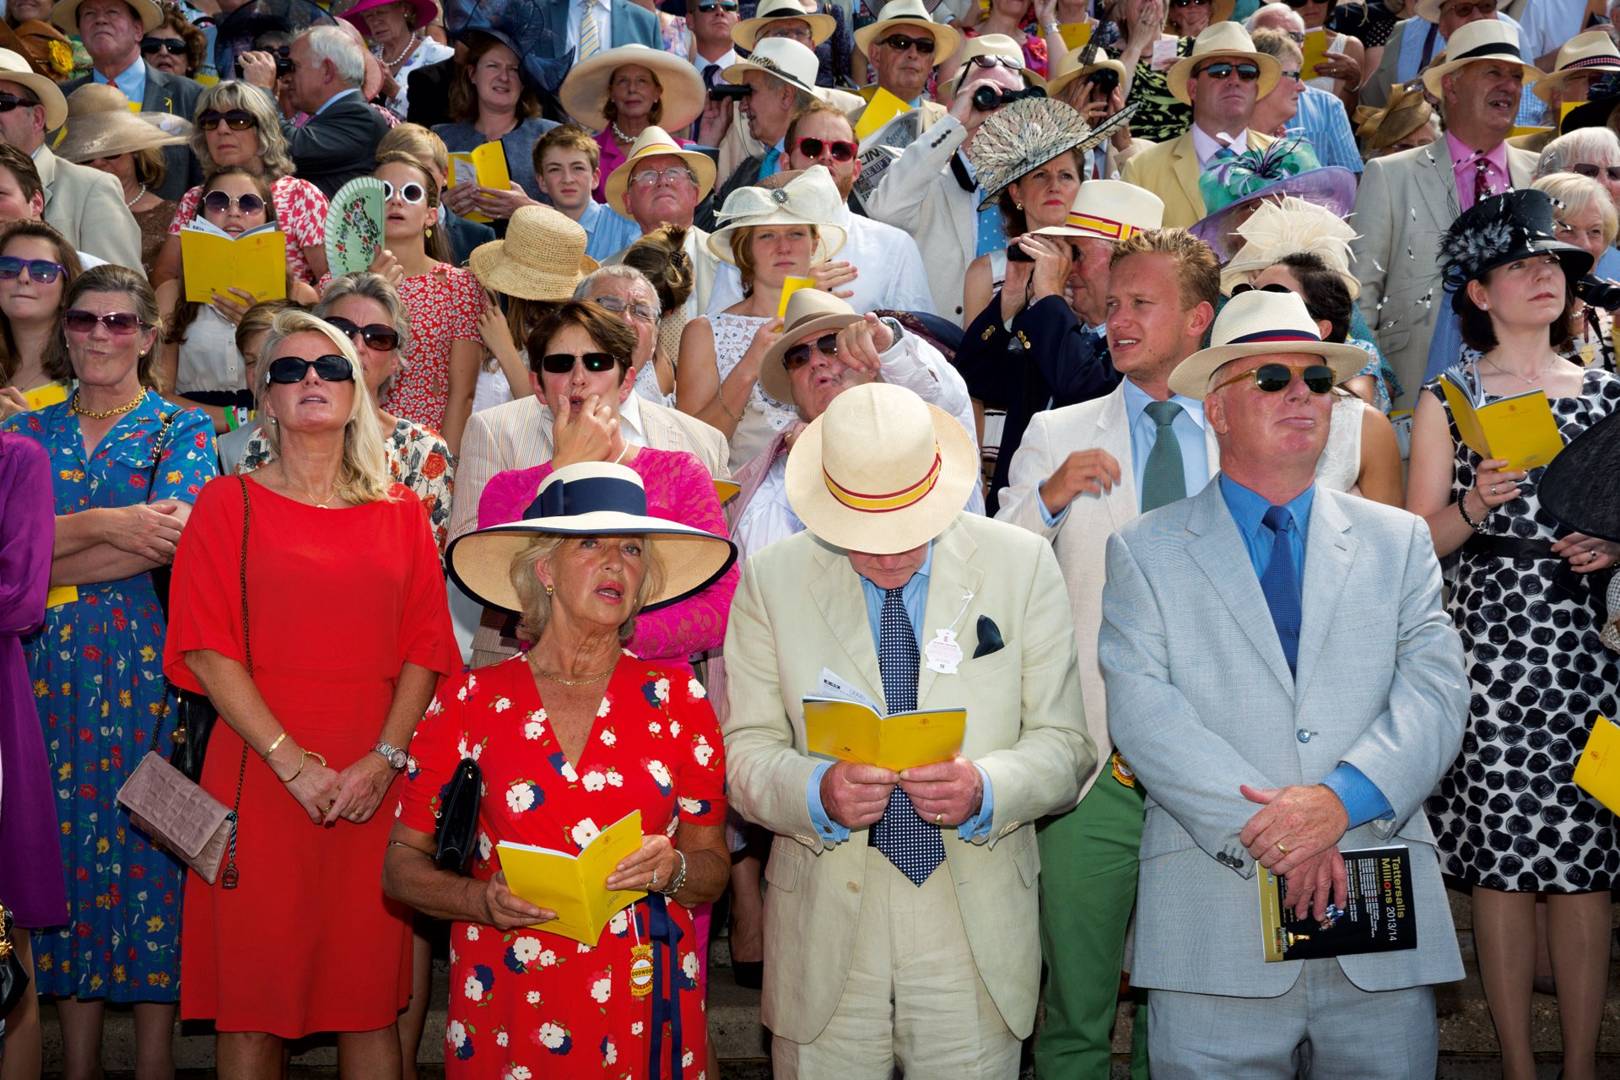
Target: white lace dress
x=1340 y=463
x=764 y=416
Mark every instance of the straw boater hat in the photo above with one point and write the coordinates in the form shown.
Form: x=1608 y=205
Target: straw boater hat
x=746 y=33
x=100 y=125
x=1068 y=68
x=656 y=142
x=782 y=58
x=881 y=471
x=541 y=258
x=1476 y=41
x=1222 y=39
x=584 y=92
x=810 y=313
x=1499 y=230
x=426 y=11
x=810 y=198
x=1261 y=323
x=1593 y=51
x=1407 y=110
x=1286 y=226
x=1110 y=210
x=591 y=498
x=66 y=14
x=44 y=46
x=14 y=67
x=909 y=16
x=1022 y=136
x=989 y=45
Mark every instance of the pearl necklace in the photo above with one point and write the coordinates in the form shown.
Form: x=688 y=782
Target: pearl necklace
x=618 y=133
x=410 y=47
x=139 y=195
x=104 y=414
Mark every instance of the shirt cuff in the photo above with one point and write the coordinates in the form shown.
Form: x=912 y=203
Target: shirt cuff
x=1363 y=802
x=1049 y=519
x=977 y=827
x=830 y=831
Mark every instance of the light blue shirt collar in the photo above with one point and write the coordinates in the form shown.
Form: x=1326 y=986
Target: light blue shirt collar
x=1137 y=399
x=131 y=82
x=335 y=97
x=914 y=594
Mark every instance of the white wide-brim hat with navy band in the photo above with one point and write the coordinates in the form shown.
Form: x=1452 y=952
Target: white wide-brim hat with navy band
x=1261 y=323
x=1474 y=42
x=589 y=499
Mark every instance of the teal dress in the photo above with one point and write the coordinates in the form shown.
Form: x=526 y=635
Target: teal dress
x=97 y=672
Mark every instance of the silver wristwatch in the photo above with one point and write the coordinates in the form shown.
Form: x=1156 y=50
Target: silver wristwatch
x=391 y=754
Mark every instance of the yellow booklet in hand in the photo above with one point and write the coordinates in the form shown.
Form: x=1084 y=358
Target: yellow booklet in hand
x=1598 y=771
x=484 y=166
x=1076 y=35
x=49 y=394
x=851 y=731
x=214 y=261
x=1315 y=47
x=573 y=885
x=1519 y=429
x=883 y=107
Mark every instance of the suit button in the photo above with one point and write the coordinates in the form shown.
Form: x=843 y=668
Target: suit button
x=854 y=886
x=1303 y=736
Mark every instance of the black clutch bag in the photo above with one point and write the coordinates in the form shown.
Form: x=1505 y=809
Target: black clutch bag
x=457 y=832
x=195 y=716
x=13 y=979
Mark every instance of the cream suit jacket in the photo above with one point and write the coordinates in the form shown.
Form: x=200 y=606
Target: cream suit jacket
x=1081 y=537
x=919 y=194
x=1025 y=728
x=1404 y=206
x=1170 y=170
x=87 y=207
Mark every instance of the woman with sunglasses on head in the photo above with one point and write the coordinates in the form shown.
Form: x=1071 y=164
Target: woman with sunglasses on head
x=199 y=361
x=37 y=268
x=319 y=682
x=491 y=100
x=126 y=468
x=236 y=124
x=1527 y=598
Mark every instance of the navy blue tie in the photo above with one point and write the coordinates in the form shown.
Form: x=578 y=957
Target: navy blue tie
x=912 y=844
x=1280 y=582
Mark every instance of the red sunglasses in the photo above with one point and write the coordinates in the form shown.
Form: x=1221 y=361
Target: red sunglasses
x=840 y=150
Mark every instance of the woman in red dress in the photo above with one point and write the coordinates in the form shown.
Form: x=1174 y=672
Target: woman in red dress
x=347 y=632
x=571 y=737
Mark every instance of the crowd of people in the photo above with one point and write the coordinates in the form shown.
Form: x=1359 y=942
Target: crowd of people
x=1102 y=375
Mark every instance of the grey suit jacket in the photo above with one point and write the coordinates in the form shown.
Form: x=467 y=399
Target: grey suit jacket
x=87 y=207
x=176 y=95
x=1200 y=700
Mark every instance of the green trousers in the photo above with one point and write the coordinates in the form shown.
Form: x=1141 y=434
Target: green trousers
x=1088 y=888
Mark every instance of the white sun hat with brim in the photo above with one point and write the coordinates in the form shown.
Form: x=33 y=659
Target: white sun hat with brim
x=1222 y=41
x=591 y=498
x=1262 y=323
x=881 y=471
x=989 y=45
x=745 y=35
x=782 y=58
x=14 y=67
x=656 y=142
x=809 y=311
x=1110 y=210
x=1476 y=42
x=810 y=198
x=909 y=15
x=584 y=93
x=1593 y=52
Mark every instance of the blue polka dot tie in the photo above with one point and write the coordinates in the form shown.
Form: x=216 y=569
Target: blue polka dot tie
x=912 y=844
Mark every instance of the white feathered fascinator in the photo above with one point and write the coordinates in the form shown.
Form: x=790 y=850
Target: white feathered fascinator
x=810 y=198
x=1287 y=226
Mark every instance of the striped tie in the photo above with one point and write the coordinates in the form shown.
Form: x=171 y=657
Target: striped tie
x=590 y=42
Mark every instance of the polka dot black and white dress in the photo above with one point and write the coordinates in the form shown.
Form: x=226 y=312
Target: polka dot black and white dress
x=1508 y=815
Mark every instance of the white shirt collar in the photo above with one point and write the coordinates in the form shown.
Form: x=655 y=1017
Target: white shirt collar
x=630 y=425
x=723 y=61
x=1207 y=146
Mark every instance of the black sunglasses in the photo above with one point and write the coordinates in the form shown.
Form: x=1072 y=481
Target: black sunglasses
x=839 y=150
x=42 y=271
x=219 y=202
x=121 y=323
x=295 y=369
x=1224 y=70
x=799 y=355
x=12 y=101
x=1243 y=287
x=900 y=42
x=1597 y=172
x=235 y=119
x=1272 y=378
x=375 y=335
x=1188 y=3
x=723 y=5
x=562 y=363
x=172 y=46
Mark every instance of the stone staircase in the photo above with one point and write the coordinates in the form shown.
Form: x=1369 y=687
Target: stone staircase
x=1467 y=1039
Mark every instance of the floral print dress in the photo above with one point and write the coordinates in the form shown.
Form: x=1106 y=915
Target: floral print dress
x=525 y=1003
x=97 y=672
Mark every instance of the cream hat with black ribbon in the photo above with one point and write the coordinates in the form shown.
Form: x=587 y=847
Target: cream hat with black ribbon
x=656 y=142
x=810 y=198
x=881 y=471
x=809 y=312
x=1262 y=323
x=14 y=67
x=1473 y=42
x=592 y=498
x=584 y=92
x=782 y=58
x=904 y=15
x=1222 y=39
x=745 y=35
x=1593 y=51
x=1110 y=210
x=989 y=45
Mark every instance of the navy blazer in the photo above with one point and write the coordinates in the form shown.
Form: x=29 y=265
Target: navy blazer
x=176 y=95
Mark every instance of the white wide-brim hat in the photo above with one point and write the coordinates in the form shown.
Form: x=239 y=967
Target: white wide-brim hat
x=584 y=92
x=781 y=58
x=810 y=198
x=1473 y=42
x=591 y=498
x=1220 y=39
x=1261 y=323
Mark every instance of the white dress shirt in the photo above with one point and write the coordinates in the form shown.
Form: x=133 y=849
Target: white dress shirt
x=1207 y=146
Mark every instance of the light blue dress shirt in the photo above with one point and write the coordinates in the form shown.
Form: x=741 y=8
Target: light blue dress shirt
x=327 y=104
x=1189 y=429
x=131 y=81
x=1322 y=120
x=991 y=234
x=914 y=595
x=606 y=231
x=1362 y=800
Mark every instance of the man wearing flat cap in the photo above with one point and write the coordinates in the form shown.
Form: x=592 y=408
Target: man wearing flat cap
x=900 y=909
x=1284 y=681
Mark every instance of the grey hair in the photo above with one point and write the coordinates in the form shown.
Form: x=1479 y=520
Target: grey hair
x=618 y=271
x=373 y=287
x=331 y=43
x=1591 y=144
x=536 y=601
x=228 y=95
x=1574 y=194
x=1275 y=8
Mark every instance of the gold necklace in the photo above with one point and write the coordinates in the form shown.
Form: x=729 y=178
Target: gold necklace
x=550 y=676
x=1515 y=375
x=106 y=414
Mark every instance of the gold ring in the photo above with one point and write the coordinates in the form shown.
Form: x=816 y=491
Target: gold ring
x=939 y=819
x=1282 y=848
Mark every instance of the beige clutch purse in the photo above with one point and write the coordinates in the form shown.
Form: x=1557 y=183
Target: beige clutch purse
x=179 y=816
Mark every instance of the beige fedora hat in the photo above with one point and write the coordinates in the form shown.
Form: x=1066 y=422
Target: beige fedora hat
x=1110 y=210
x=14 y=67
x=784 y=58
x=1593 y=51
x=66 y=14
x=1488 y=39
x=745 y=35
x=881 y=471
x=809 y=312
x=996 y=45
x=903 y=15
x=1068 y=68
x=810 y=198
x=584 y=92
x=100 y=125
x=656 y=142
x=542 y=256
x=1429 y=10
x=1227 y=39
x=1261 y=323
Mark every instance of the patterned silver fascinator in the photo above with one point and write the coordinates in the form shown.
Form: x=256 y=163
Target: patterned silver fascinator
x=1025 y=134
x=1499 y=230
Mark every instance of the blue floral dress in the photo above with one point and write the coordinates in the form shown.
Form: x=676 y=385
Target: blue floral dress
x=97 y=672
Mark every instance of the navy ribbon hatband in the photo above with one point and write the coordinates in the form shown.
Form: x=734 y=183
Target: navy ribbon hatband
x=567 y=498
x=664 y=934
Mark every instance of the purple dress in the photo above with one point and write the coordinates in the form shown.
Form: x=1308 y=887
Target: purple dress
x=28 y=828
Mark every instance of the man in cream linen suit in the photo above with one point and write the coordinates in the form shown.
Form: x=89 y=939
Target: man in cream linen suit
x=1283 y=679
x=1082 y=472
x=900 y=912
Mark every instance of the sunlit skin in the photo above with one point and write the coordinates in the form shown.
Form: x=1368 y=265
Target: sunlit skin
x=1482 y=101
x=631 y=292
x=595 y=577
x=14 y=205
x=1456 y=13
x=829 y=128
x=1222 y=105
x=377 y=365
x=902 y=72
x=634 y=91
x=780 y=251
x=1602 y=165
x=163 y=59
x=229 y=147
x=112 y=34
x=1047 y=193
x=769 y=106
x=495 y=79
x=1189 y=21
x=22 y=127
x=1584 y=229
x=567 y=179
x=820 y=379
x=404 y=219
x=889 y=571
x=22 y=299
x=233 y=219
x=1147 y=328
x=1260 y=431
x=102 y=359
x=573 y=390
x=312 y=404
x=668 y=202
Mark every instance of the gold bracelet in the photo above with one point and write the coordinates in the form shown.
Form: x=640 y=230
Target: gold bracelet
x=272 y=747
x=304 y=757
x=736 y=418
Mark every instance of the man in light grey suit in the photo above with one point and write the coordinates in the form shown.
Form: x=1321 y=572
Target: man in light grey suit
x=1281 y=675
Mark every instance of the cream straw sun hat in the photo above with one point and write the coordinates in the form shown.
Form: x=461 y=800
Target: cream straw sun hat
x=1261 y=323
x=542 y=256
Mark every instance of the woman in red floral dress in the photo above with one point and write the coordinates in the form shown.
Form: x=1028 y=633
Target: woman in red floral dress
x=571 y=737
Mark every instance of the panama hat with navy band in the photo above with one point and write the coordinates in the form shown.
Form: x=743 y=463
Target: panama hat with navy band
x=1262 y=323
x=909 y=17
x=881 y=471
x=1474 y=42
x=592 y=498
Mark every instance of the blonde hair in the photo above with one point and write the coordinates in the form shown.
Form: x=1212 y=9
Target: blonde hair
x=1574 y=193
x=536 y=602
x=418 y=142
x=363 y=473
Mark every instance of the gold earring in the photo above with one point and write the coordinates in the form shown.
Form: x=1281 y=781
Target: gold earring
x=1018 y=205
x=549 y=590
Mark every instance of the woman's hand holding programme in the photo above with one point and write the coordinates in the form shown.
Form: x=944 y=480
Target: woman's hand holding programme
x=503 y=909
x=651 y=868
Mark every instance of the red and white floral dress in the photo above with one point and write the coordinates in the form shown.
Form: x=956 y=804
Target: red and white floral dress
x=525 y=1004
x=444 y=305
